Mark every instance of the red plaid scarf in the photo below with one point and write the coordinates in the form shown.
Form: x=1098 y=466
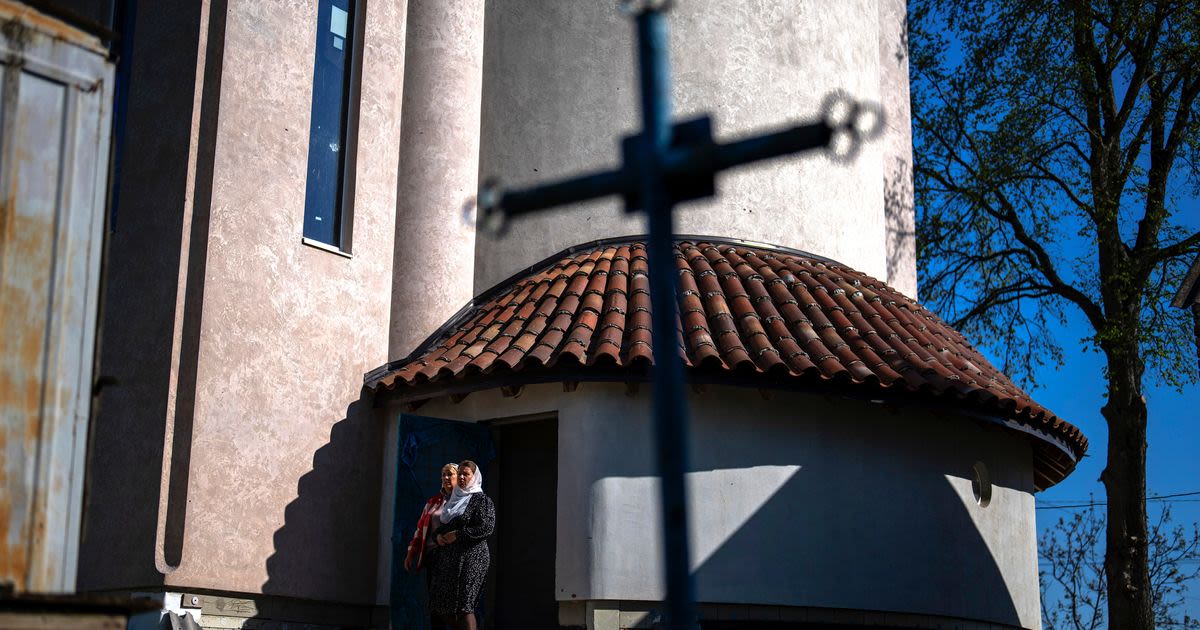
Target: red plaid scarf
x=416 y=547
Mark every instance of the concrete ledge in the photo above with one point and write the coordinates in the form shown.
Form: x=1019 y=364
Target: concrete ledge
x=635 y=615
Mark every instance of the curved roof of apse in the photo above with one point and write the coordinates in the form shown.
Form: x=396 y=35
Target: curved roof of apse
x=750 y=314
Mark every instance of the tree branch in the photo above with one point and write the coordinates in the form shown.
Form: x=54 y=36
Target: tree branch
x=1189 y=245
x=1048 y=175
x=1161 y=162
x=1183 y=111
x=1006 y=295
x=1142 y=65
x=1043 y=263
x=1135 y=145
x=1089 y=67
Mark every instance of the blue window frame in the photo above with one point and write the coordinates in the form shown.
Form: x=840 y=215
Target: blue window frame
x=330 y=183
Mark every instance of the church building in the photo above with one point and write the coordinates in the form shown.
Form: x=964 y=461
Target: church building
x=301 y=320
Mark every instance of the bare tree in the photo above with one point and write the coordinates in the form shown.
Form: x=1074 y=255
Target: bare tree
x=1073 y=584
x=1056 y=146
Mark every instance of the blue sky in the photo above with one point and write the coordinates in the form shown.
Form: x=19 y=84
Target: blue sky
x=1075 y=392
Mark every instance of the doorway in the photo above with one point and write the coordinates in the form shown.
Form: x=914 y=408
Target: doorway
x=526 y=495
x=425 y=445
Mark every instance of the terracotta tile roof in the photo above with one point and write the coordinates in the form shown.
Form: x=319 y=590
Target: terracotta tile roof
x=750 y=315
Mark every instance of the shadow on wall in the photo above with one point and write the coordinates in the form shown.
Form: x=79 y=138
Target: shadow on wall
x=941 y=560
x=900 y=236
x=327 y=547
x=147 y=230
x=820 y=511
x=899 y=223
x=889 y=524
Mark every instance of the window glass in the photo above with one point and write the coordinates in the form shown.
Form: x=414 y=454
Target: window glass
x=327 y=136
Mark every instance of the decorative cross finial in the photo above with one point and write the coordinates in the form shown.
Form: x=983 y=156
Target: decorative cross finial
x=664 y=165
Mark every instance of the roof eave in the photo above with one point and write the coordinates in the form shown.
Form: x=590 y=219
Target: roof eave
x=1051 y=451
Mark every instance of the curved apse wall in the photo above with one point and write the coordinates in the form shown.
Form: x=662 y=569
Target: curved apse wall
x=802 y=501
x=559 y=92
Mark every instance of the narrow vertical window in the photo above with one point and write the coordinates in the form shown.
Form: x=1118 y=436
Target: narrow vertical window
x=330 y=136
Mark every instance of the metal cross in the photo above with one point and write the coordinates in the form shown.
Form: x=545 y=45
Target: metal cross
x=663 y=165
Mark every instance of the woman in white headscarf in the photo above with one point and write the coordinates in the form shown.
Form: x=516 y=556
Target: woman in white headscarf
x=469 y=516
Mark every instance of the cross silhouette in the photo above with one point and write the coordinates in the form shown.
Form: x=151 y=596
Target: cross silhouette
x=664 y=165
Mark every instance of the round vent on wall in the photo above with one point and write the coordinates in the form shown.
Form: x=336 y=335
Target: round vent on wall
x=981 y=484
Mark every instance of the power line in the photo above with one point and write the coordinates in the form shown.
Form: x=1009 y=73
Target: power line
x=1171 y=496
x=1161 y=497
x=1186 y=493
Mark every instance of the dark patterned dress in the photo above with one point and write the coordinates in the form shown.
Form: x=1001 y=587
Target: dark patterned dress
x=462 y=566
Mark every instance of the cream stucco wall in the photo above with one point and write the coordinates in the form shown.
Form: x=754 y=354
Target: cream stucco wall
x=264 y=436
x=288 y=329
x=438 y=168
x=830 y=503
x=559 y=92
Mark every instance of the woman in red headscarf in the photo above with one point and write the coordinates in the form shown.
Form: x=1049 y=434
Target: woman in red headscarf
x=422 y=549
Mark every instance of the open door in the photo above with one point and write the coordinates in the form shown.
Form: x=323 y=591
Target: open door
x=425 y=445
x=526 y=495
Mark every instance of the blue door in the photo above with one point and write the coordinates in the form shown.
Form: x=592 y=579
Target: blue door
x=426 y=444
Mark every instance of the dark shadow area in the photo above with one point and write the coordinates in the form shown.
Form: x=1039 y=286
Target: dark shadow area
x=327 y=548
x=189 y=355
x=93 y=16
x=526 y=512
x=785 y=625
x=141 y=281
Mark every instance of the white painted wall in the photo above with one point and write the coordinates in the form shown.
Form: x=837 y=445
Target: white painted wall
x=798 y=501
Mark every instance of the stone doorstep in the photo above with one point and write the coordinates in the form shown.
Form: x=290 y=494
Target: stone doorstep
x=228 y=611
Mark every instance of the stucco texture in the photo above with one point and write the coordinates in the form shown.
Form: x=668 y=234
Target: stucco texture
x=281 y=473
x=438 y=170
x=560 y=90
x=896 y=147
x=826 y=502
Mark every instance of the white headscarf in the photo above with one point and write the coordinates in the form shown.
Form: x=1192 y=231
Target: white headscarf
x=457 y=503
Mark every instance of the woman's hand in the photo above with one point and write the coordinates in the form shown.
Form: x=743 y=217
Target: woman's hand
x=447 y=538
